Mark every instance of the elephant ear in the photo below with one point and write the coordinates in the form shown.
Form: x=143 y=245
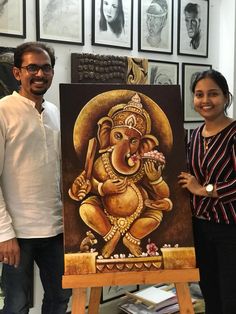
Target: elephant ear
x=104 y=128
x=148 y=142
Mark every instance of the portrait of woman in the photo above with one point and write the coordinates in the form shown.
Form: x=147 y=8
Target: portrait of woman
x=112 y=17
x=112 y=23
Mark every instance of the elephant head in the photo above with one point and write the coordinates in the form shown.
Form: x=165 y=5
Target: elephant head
x=125 y=133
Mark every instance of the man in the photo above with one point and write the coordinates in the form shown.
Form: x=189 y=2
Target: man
x=193 y=22
x=157 y=14
x=30 y=204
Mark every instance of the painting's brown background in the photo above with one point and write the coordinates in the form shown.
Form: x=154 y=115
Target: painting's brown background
x=176 y=224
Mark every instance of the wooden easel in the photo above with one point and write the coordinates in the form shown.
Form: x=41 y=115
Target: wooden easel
x=79 y=283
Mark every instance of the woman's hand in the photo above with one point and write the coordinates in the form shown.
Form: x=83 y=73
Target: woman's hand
x=186 y=180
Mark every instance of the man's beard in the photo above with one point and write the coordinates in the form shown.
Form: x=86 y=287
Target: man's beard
x=39 y=92
x=42 y=91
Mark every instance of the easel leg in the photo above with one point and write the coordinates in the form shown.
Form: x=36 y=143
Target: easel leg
x=94 y=300
x=78 y=300
x=184 y=298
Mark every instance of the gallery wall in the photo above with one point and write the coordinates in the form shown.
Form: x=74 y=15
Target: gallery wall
x=221 y=54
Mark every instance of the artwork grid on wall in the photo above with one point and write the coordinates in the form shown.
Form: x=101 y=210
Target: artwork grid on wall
x=12 y=18
x=52 y=24
x=155 y=26
x=189 y=72
x=163 y=73
x=193 y=28
x=112 y=27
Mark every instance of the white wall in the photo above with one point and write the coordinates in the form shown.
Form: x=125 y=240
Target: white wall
x=221 y=56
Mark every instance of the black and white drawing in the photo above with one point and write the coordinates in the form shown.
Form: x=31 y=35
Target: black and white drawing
x=12 y=18
x=189 y=72
x=155 y=21
x=112 y=23
x=53 y=24
x=163 y=73
x=193 y=27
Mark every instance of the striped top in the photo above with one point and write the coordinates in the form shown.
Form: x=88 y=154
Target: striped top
x=216 y=165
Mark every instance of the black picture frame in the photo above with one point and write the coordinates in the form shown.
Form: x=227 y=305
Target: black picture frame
x=163 y=73
x=103 y=34
x=13 y=18
x=53 y=26
x=148 y=13
x=194 y=41
x=189 y=71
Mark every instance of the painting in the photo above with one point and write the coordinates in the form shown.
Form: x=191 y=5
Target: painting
x=8 y=83
x=155 y=23
x=122 y=201
x=189 y=72
x=52 y=24
x=193 y=28
x=12 y=18
x=112 y=25
x=163 y=73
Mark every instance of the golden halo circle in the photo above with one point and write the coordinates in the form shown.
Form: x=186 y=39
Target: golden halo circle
x=86 y=123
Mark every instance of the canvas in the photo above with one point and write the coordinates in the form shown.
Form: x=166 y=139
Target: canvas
x=122 y=151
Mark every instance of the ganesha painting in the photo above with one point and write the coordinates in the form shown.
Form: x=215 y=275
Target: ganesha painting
x=122 y=204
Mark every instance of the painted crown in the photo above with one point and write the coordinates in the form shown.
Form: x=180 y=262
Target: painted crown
x=131 y=115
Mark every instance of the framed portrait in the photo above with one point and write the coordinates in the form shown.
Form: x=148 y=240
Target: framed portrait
x=193 y=27
x=8 y=83
x=52 y=24
x=155 y=26
x=189 y=72
x=12 y=18
x=112 y=24
x=112 y=292
x=163 y=73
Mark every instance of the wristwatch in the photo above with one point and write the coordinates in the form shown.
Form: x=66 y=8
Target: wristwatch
x=209 y=189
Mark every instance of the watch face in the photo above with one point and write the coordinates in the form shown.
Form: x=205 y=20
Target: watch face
x=209 y=188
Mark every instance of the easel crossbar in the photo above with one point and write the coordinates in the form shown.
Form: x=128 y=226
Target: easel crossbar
x=79 y=283
x=128 y=278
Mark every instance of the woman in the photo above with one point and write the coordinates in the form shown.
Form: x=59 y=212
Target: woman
x=112 y=16
x=212 y=183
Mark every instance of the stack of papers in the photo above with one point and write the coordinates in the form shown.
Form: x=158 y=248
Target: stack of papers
x=152 y=300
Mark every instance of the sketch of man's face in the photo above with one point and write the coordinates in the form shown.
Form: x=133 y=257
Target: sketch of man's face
x=155 y=23
x=192 y=23
x=110 y=10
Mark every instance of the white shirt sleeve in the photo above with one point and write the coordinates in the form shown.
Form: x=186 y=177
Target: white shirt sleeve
x=6 y=229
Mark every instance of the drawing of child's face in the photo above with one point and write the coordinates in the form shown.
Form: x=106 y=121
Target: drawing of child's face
x=110 y=10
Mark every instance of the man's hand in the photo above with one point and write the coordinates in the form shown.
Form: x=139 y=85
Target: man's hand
x=10 y=252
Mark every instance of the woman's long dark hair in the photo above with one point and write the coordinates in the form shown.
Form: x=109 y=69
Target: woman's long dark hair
x=118 y=24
